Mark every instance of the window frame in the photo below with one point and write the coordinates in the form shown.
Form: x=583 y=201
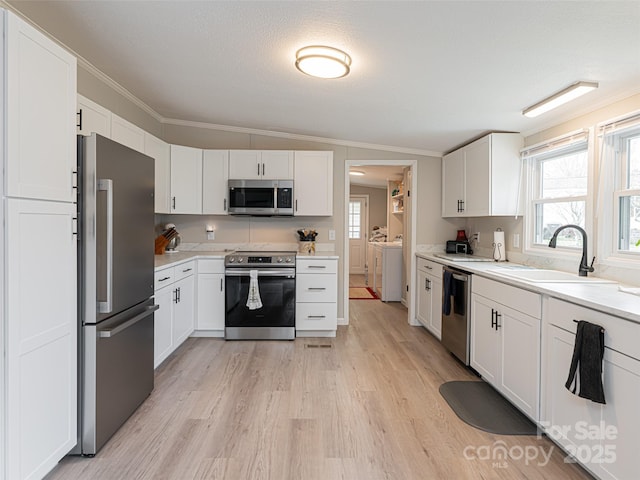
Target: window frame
x=534 y=156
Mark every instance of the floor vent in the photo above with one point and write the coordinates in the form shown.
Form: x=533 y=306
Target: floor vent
x=314 y=345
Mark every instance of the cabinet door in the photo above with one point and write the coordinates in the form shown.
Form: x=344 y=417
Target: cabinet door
x=211 y=302
x=93 y=118
x=563 y=410
x=186 y=179
x=276 y=164
x=435 y=315
x=163 y=325
x=127 y=133
x=478 y=181
x=183 y=310
x=40 y=114
x=453 y=184
x=622 y=391
x=423 y=298
x=378 y=287
x=215 y=173
x=313 y=183
x=520 y=377
x=485 y=357
x=161 y=153
x=244 y=164
x=41 y=336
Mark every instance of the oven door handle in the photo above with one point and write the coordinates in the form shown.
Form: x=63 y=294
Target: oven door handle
x=244 y=272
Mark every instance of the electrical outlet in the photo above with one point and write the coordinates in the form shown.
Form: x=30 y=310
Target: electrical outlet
x=477 y=234
x=516 y=240
x=211 y=235
x=332 y=234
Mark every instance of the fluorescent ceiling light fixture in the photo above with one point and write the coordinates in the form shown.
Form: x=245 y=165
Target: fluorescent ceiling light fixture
x=357 y=173
x=323 y=62
x=563 y=96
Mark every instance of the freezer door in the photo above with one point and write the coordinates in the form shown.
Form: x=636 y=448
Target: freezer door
x=119 y=227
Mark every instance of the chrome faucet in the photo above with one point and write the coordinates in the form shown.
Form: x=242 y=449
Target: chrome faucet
x=584 y=266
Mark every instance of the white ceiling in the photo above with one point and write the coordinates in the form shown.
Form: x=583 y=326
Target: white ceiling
x=375 y=175
x=426 y=75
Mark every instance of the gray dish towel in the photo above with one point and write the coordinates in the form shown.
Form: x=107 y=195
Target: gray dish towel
x=588 y=353
x=449 y=286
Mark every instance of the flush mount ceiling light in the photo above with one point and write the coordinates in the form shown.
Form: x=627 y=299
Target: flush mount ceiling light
x=323 y=62
x=563 y=96
x=357 y=173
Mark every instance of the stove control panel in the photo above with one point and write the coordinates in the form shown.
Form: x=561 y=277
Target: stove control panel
x=260 y=259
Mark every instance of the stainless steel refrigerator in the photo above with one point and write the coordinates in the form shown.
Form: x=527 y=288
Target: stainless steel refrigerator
x=115 y=270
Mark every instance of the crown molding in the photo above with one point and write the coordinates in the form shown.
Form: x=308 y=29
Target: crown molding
x=306 y=138
x=103 y=77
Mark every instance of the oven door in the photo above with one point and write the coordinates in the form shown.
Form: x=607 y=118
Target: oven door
x=277 y=288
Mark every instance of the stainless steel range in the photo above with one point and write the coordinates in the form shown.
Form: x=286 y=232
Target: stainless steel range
x=260 y=295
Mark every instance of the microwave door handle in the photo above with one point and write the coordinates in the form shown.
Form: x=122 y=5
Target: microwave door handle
x=107 y=186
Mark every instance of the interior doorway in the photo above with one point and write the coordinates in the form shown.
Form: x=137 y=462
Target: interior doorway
x=405 y=169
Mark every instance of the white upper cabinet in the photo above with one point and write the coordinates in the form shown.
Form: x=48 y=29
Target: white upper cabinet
x=41 y=115
x=313 y=183
x=160 y=151
x=93 y=118
x=261 y=164
x=186 y=179
x=127 y=133
x=483 y=178
x=215 y=173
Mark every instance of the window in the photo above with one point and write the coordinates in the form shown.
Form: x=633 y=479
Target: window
x=355 y=219
x=626 y=147
x=558 y=192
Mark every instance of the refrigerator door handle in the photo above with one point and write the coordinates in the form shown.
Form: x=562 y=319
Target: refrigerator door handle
x=107 y=186
x=124 y=325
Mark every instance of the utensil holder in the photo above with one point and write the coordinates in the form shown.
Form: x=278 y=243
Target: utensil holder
x=307 y=247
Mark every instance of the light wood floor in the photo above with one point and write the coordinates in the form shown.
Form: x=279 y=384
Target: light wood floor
x=368 y=408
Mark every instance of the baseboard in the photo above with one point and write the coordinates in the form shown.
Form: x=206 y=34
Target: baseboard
x=342 y=321
x=315 y=333
x=208 y=333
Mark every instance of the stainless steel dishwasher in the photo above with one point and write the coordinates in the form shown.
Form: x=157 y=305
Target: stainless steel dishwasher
x=456 y=303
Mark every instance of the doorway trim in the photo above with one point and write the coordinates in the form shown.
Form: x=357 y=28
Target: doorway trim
x=413 y=165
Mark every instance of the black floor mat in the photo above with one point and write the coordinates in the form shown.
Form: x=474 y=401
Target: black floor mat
x=479 y=405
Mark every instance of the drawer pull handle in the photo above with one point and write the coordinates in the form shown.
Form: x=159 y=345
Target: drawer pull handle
x=317 y=266
x=316 y=316
x=428 y=267
x=187 y=270
x=317 y=288
x=163 y=279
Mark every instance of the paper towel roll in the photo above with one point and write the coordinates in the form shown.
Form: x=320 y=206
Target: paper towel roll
x=499 y=246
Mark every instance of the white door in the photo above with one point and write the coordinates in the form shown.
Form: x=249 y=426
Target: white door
x=161 y=153
x=485 y=347
x=215 y=173
x=276 y=164
x=186 y=179
x=41 y=336
x=358 y=228
x=163 y=325
x=183 y=309
x=210 y=308
x=93 y=118
x=244 y=164
x=453 y=184
x=313 y=183
x=127 y=133
x=41 y=111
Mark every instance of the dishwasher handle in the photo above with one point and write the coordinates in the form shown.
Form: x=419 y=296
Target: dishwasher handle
x=112 y=332
x=462 y=277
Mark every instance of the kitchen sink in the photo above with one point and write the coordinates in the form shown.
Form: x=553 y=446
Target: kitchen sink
x=547 y=276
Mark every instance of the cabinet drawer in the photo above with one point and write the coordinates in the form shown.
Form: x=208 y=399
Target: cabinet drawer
x=305 y=265
x=513 y=297
x=211 y=265
x=316 y=288
x=184 y=270
x=619 y=334
x=316 y=316
x=429 y=266
x=163 y=277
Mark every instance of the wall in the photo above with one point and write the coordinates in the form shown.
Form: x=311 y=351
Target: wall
x=512 y=226
x=377 y=203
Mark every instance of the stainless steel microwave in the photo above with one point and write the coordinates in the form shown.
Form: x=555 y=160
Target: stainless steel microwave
x=261 y=197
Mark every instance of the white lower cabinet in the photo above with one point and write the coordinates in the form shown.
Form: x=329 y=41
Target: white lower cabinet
x=505 y=341
x=210 y=299
x=603 y=438
x=429 y=295
x=40 y=337
x=316 y=297
x=174 y=320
